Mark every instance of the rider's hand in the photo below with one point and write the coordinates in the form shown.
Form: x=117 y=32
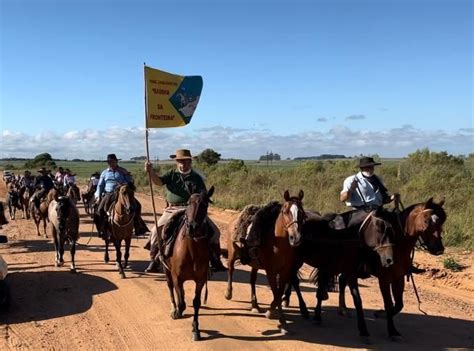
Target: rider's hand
x=148 y=166
x=395 y=197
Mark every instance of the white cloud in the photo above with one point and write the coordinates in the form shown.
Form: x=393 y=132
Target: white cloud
x=355 y=117
x=233 y=142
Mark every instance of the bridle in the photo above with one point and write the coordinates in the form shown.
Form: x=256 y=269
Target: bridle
x=379 y=246
x=287 y=225
x=189 y=224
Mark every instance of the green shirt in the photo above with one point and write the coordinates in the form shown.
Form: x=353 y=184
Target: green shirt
x=179 y=187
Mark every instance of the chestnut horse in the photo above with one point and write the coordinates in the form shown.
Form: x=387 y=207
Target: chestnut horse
x=120 y=226
x=25 y=194
x=64 y=219
x=423 y=220
x=279 y=227
x=190 y=257
x=338 y=251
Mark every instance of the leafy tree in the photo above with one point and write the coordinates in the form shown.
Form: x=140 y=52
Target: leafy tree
x=41 y=160
x=209 y=157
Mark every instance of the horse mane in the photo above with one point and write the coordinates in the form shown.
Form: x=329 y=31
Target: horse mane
x=243 y=221
x=265 y=218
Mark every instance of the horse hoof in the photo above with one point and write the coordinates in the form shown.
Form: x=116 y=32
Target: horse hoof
x=175 y=315
x=106 y=260
x=343 y=312
x=255 y=310
x=196 y=336
x=270 y=314
x=122 y=275
x=286 y=303
x=284 y=330
x=56 y=264
x=228 y=294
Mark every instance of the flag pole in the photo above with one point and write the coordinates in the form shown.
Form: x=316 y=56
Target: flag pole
x=148 y=150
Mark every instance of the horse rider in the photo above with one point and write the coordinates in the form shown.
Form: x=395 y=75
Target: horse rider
x=27 y=181
x=180 y=184
x=365 y=191
x=59 y=176
x=105 y=195
x=43 y=183
x=69 y=178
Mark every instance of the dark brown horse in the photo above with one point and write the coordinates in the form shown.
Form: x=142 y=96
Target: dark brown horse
x=25 y=195
x=279 y=227
x=420 y=221
x=190 y=257
x=73 y=193
x=338 y=251
x=120 y=226
x=14 y=201
x=64 y=219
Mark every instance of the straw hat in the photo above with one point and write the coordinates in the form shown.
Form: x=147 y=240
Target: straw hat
x=182 y=154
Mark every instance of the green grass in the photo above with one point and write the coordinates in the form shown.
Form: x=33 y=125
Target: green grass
x=451 y=264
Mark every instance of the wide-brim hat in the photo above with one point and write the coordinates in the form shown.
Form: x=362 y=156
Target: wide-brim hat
x=182 y=154
x=43 y=170
x=367 y=162
x=111 y=157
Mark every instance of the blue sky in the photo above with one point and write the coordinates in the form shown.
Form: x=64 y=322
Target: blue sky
x=295 y=77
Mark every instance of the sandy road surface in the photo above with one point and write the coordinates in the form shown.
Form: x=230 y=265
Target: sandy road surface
x=95 y=309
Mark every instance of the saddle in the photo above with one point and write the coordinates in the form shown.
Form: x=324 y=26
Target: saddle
x=245 y=218
x=169 y=234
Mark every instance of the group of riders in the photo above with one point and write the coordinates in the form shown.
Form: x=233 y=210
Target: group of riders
x=363 y=192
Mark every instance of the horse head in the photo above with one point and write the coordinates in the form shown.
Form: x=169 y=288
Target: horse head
x=125 y=194
x=426 y=221
x=378 y=233
x=292 y=217
x=196 y=211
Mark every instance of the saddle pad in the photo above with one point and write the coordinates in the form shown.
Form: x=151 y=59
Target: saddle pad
x=245 y=218
x=168 y=234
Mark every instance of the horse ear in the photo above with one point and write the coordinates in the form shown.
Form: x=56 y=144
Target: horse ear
x=210 y=192
x=441 y=203
x=301 y=195
x=429 y=203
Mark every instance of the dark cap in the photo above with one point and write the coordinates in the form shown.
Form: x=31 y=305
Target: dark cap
x=367 y=162
x=111 y=157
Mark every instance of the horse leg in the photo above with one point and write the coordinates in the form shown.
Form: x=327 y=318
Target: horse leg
x=106 y=255
x=73 y=253
x=295 y=282
x=342 y=310
x=388 y=304
x=118 y=259
x=56 y=246
x=44 y=227
x=178 y=286
x=284 y=280
x=127 y=251
x=253 y=293
x=230 y=273
x=354 y=287
x=287 y=295
x=169 y=281
x=61 y=250
x=197 y=305
x=272 y=280
x=398 y=286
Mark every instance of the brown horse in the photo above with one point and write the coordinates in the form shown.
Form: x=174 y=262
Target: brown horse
x=190 y=257
x=120 y=226
x=338 y=251
x=64 y=219
x=279 y=227
x=424 y=220
x=41 y=213
x=25 y=194
x=14 y=201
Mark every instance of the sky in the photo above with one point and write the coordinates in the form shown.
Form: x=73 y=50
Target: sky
x=298 y=78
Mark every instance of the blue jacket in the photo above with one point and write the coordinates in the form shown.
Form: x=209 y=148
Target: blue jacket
x=110 y=179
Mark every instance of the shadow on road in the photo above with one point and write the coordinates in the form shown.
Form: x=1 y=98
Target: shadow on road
x=39 y=296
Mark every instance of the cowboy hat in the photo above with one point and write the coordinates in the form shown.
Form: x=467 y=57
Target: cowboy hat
x=367 y=162
x=182 y=154
x=43 y=170
x=111 y=157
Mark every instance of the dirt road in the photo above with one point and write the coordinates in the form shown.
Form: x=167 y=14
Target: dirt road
x=95 y=309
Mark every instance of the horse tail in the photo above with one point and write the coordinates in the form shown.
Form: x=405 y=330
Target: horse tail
x=63 y=210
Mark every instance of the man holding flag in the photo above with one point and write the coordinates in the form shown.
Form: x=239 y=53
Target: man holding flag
x=170 y=101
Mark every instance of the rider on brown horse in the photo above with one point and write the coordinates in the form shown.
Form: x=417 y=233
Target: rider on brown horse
x=105 y=196
x=180 y=183
x=44 y=184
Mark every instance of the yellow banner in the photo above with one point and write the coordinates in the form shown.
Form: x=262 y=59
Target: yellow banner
x=170 y=99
